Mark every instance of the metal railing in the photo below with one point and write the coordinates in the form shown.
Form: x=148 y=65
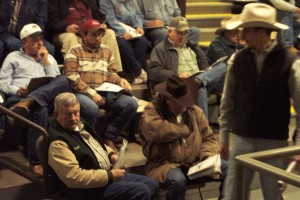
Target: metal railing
x=12 y=165
x=255 y=162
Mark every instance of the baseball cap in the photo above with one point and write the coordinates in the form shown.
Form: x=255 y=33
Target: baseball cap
x=30 y=30
x=90 y=26
x=179 y=23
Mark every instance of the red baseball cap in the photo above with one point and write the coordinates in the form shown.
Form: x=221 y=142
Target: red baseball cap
x=91 y=25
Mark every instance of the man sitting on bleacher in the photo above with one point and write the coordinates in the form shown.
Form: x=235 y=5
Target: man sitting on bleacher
x=84 y=164
x=177 y=55
x=18 y=69
x=89 y=64
x=177 y=136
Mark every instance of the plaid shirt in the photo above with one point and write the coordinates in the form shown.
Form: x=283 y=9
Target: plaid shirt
x=89 y=68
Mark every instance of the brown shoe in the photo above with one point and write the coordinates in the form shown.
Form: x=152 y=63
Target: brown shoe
x=37 y=170
x=111 y=144
x=22 y=108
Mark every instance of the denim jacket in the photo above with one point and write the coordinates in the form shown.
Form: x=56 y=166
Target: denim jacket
x=126 y=11
x=159 y=9
x=31 y=11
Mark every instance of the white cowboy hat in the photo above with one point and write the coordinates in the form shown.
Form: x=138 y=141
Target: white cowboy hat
x=257 y=15
x=224 y=22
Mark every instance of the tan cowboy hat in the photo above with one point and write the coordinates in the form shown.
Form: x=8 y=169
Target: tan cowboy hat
x=182 y=91
x=257 y=15
x=225 y=21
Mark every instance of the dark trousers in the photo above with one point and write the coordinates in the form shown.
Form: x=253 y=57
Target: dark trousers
x=131 y=187
x=176 y=182
x=132 y=53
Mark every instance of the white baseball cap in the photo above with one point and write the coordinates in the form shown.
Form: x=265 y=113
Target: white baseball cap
x=30 y=29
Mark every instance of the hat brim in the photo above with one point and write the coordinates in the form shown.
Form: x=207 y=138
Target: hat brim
x=249 y=24
x=186 y=101
x=93 y=30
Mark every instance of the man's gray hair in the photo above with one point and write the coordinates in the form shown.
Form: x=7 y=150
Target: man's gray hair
x=65 y=99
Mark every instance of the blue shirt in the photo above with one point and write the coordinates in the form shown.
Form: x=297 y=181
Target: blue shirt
x=126 y=11
x=159 y=9
x=18 y=68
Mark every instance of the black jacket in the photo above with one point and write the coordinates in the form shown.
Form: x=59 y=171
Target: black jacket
x=58 y=11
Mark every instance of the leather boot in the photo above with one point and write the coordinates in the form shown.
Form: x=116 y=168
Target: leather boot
x=22 y=108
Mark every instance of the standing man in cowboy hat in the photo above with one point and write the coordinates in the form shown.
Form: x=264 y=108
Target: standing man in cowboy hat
x=225 y=44
x=255 y=106
x=176 y=135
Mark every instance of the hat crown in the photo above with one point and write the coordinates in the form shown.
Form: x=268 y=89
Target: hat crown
x=257 y=15
x=177 y=87
x=179 y=23
x=90 y=25
x=29 y=29
x=259 y=12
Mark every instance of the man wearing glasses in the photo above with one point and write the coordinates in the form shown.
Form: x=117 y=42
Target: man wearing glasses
x=176 y=55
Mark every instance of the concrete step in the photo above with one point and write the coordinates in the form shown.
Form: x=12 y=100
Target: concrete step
x=140 y=91
x=207 y=34
x=208 y=7
x=206 y=20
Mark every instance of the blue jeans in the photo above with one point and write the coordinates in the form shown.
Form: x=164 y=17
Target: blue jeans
x=287 y=36
x=158 y=35
x=213 y=81
x=43 y=97
x=132 y=53
x=177 y=180
x=243 y=145
x=14 y=44
x=123 y=107
x=131 y=187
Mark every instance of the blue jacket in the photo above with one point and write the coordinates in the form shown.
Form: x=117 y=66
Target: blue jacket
x=126 y=11
x=31 y=11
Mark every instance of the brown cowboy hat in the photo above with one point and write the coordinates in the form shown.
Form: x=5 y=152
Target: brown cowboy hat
x=182 y=91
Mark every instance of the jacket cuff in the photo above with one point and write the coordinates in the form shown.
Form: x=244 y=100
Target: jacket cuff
x=110 y=177
x=110 y=155
x=91 y=92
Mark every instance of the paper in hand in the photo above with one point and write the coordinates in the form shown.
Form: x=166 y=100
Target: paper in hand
x=120 y=160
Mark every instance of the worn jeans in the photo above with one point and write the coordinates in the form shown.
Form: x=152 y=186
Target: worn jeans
x=287 y=36
x=243 y=145
x=123 y=108
x=177 y=180
x=14 y=44
x=213 y=81
x=158 y=35
x=44 y=97
x=131 y=187
x=132 y=53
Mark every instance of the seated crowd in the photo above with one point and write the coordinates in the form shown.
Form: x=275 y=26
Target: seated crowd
x=174 y=127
